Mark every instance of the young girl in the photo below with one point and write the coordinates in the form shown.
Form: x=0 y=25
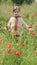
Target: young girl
x=16 y=23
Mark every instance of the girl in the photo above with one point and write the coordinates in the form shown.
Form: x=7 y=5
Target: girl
x=16 y=23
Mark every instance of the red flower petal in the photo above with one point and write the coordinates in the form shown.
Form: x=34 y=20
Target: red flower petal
x=8 y=46
x=17 y=53
x=9 y=52
x=23 y=44
x=33 y=33
x=0 y=40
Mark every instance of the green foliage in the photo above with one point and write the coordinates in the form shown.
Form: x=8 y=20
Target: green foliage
x=0 y=1
x=29 y=1
x=21 y=1
x=17 y=1
x=27 y=56
x=5 y=0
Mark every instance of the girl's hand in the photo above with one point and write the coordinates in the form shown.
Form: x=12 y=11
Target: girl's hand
x=30 y=29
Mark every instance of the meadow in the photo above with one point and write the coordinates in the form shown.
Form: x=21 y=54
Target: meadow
x=23 y=52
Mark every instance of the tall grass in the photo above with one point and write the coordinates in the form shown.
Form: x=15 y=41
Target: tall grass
x=27 y=44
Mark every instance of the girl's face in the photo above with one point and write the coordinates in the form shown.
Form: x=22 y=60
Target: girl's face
x=16 y=12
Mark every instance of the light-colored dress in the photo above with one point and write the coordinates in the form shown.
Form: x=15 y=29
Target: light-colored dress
x=21 y=24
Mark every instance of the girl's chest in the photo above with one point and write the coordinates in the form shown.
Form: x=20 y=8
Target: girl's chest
x=19 y=23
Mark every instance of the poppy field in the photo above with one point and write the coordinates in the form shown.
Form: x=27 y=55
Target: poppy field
x=23 y=51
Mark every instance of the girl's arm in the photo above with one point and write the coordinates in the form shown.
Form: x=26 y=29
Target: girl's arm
x=8 y=25
x=25 y=25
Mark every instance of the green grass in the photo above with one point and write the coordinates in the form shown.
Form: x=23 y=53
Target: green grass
x=28 y=54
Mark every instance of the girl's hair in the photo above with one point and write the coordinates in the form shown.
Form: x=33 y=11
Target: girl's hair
x=16 y=8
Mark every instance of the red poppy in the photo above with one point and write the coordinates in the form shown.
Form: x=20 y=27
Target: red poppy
x=9 y=51
x=9 y=46
x=29 y=27
x=0 y=40
x=23 y=44
x=33 y=33
x=17 y=53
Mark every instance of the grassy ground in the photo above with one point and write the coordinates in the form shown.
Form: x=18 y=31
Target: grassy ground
x=27 y=44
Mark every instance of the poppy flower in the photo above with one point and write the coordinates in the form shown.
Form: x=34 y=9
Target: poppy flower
x=33 y=33
x=9 y=51
x=23 y=44
x=0 y=40
x=17 y=53
x=9 y=46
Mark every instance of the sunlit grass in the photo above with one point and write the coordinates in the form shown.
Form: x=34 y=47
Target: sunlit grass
x=27 y=44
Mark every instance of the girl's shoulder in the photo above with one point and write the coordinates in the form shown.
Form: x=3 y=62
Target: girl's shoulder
x=12 y=17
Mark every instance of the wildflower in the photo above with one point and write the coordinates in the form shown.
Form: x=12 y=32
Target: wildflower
x=23 y=44
x=17 y=53
x=33 y=33
x=9 y=51
x=0 y=40
x=9 y=46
